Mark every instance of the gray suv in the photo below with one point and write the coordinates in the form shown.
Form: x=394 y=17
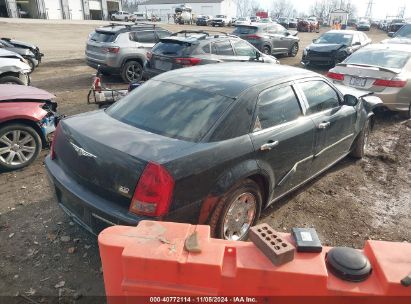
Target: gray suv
x=190 y=48
x=121 y=49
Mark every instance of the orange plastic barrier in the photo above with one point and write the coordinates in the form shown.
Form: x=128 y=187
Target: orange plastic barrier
x=150 y=260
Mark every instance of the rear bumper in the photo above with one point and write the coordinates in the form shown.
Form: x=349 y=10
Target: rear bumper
x=103 y=67
x=149 y=72
x=92 y=212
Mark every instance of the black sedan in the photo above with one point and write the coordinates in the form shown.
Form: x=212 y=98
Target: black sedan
x=333 y=47
x=205 y=145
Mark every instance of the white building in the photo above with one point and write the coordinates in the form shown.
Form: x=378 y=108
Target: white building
x=163 y=8
x=59 y=9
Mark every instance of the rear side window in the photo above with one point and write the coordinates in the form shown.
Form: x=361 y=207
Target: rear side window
x=245 y=30
x=163 y=34
x=277 y=106
x=103 y=37
x=144 y=37
x=206 y=49
x=171 y=110
x=320 y=96
x=223 y=48
x=171 y=48
x=242 y=48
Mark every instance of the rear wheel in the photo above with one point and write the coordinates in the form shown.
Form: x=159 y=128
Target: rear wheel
x=19 y=146
x=294 y=50
x=237 y=211
x=132 y=71
x=361 y=142
x=267 y=50
x=11 y=80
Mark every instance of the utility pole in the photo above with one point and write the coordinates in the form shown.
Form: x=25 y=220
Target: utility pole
x=368 y=13
x=401 y=12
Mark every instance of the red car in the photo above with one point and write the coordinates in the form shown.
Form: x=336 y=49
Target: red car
x=27 y=120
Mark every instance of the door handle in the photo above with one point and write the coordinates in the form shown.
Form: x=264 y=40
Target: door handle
x=324 y=125
x=268 y=146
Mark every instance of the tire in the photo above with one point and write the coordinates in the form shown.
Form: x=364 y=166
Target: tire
x=361 y=141
x=11 y=80
x=406 y=114
x=219 y=220
x=293 y=50
x=132 y=71
x=21 y=157
x=266 y=50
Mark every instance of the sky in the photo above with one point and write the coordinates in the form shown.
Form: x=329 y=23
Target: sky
x=381 y=8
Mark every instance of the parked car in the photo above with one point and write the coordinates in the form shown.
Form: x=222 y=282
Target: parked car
x=352 y=22
x=384 y=69
x=139 y=16
x=190 y=48
x=14 y=69
x=243 y=21
x=304 y=26
x=255 y=19
x=395 y=25
x=292 y=23
x=121 y=49
x=123 y=16
x=284 y=21
x=221 y=20
x=28 y=51
x=271 y=39
x=333 y=47
x=209 y=147
x=363 y=26
x=402 y=36
x=27 y=120
x=203 y=20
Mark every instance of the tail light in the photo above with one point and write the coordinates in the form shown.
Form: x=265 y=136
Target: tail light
x=97 y=84
x=188 y=61
x=153 y=192
x=255 y=37
x=149 y=55
x=113 y=50
x=393 y=83
x=336 y=76
x=52 y=151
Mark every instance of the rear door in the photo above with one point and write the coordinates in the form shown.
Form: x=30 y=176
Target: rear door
x=277 y=38
x=222 y=51
x=334 y=122
x=283 y=138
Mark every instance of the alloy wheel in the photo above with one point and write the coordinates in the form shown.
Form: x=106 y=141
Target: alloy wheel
x=133 y=73
x=17 y=147
x=294 y=50
x=240 y=216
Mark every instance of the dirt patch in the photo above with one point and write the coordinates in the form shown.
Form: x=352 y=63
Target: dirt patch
x=352 y=202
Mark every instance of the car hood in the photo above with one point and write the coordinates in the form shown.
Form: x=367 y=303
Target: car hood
x=398 y=40
x=20 y=43
x=9 y=54
x=13 y=92
x=325 y=47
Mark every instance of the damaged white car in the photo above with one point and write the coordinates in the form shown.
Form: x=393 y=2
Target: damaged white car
x=14 y=69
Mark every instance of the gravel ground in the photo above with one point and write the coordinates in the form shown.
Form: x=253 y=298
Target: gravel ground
x=45 y=255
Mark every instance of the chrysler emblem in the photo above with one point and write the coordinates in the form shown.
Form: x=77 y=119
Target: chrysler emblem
x=82 y=152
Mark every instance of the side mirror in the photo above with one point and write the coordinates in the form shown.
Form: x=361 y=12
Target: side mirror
x=357 y=43
x=257 y=56
x=350 y=100
x=391 y=34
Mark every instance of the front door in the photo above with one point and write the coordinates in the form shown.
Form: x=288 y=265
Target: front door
x=283 y=138
x=334 y=123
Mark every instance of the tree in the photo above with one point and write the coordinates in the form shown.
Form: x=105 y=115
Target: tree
x=282 y=8
x=132 y=5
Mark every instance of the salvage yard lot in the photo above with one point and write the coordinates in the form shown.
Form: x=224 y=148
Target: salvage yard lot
x=44 y=254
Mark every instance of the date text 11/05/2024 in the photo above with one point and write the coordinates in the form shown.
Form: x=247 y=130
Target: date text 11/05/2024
x=203 y=299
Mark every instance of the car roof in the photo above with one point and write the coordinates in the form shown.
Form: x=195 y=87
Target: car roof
x=123 y=28
x=388 y=46
x=231 y=79
x=195 y=36
x=13 y=92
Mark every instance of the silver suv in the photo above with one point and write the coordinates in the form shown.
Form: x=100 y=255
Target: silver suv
x=121 y=49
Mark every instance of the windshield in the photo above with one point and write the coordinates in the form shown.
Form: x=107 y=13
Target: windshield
x=170 y=110
x=335 y=38
x=404 y=32
x=103 y=37
x=382 y=58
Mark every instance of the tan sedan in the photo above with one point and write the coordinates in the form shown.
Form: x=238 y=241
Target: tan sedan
x=384 y=69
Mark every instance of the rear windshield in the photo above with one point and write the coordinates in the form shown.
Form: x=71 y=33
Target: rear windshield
x=381 y=58
x=171 y=48
x=245 y=30
x=103 y=37
x=170 y=110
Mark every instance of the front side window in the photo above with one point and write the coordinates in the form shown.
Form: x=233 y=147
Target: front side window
x=223 y=48
x=242 y=48
x=320 y=96
x=277 y=106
